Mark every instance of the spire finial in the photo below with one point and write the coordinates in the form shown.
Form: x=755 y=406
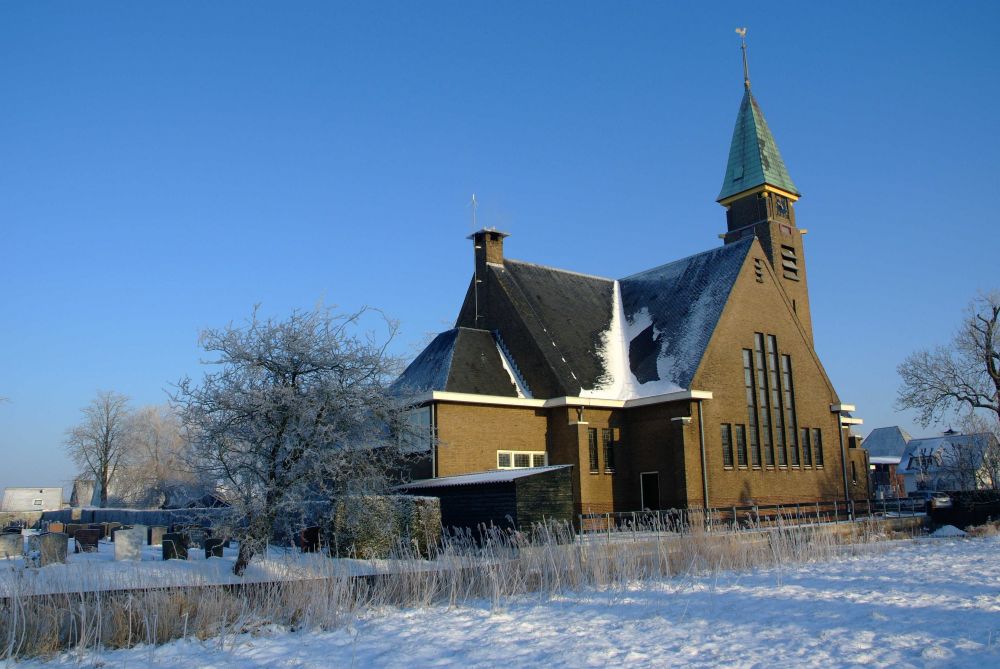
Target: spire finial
x=742 y=32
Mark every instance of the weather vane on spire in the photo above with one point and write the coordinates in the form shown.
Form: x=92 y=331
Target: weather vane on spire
x=742 y=32
x=475 y=205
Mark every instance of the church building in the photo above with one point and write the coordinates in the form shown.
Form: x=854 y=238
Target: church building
x=692 y=384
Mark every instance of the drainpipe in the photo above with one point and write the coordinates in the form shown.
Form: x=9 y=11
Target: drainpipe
x=839 y=409
x=704 y=463
x=843 y=455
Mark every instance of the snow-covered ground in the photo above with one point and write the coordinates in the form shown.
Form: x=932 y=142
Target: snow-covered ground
x=100 y=570
x=934 y=602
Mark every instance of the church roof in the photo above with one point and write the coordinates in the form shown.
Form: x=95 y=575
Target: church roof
x=754 y=159
x=569 y=334
x=460 y=360
x=671 y=312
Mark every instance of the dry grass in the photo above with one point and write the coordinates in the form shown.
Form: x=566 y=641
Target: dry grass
x=988 y=529
x=494 y=567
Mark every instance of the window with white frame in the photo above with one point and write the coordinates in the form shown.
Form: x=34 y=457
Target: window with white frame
x=520 y=459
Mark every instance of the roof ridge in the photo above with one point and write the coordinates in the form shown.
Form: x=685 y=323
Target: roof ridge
x=747 y=241
x=558 y=269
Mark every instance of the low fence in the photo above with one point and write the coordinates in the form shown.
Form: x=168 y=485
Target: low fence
x=165 y=517
x=749 y=516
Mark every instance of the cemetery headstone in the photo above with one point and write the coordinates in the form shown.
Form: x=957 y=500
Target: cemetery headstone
x=56 y=526
x=48 y=548
x=87 y=540
x=11 y=545
x=213 y=547
x=156 y=533
x=175 y=546
x=309 y=539
x=129 y=543
x=196 y=537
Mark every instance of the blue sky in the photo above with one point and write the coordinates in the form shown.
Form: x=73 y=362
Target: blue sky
x=166 y=166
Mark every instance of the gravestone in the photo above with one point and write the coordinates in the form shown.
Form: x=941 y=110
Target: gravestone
x=71 y=529
x=48 y=548
x=175 y=546
x=56 y=526
x=129 y=543
x=156 y=533
x=196 y=536
x=309 y=539
x=109 y=530
x=11 y=545
x=87 y=540
x=213 y=547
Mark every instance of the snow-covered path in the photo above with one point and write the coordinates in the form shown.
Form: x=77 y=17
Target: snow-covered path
x=932 y=603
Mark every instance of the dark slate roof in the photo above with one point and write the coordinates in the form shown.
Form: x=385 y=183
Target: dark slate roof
x=567 y=314
x=886 y=442
x=558 y=328
x=460 y=360
x=683 y=302
x=754 y=159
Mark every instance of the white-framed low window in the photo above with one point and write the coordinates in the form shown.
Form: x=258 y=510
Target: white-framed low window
x=36 y=502
x=520 y=459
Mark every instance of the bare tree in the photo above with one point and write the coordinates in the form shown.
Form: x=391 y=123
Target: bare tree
x=99 y=443
x=987 y=435
x=962 y=377
x=297 y=415
x=155 y=470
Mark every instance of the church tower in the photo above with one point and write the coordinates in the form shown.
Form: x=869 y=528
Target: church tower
x=759 y=198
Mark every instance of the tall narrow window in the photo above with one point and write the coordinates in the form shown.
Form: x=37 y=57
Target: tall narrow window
x=592 y=439
x=727 y=445
x=806 y=445
x=817 y=447
x=751 y=393
x=790 y=418
x=762 y=399
x=609 y=452
x=741 y=445
x=776 y=400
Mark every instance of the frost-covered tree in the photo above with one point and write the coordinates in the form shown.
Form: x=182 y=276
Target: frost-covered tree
x=298 y=414
x=99 y=443
x=963 y=377
x=155 y=470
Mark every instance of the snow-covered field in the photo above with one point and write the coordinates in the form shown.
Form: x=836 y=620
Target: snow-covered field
x=100 y=571
x=934 y=602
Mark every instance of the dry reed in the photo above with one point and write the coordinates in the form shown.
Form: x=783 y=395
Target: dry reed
x=491 y=565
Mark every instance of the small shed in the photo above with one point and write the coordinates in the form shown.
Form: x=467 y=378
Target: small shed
x=31 y=499
x=504 y=497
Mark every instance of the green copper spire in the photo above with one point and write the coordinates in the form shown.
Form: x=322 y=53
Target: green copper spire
x=754 y=159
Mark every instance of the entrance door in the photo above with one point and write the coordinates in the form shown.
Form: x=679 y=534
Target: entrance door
x=649 y=483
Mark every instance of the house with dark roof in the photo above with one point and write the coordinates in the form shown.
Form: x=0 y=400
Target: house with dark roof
x=691 y=384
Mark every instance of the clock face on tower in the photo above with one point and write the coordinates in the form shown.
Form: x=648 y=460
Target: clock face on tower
x=781 y=206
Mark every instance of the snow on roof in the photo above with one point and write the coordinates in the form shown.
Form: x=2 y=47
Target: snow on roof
x=671 y=312
x=576 y=335
x=494 y=476
x=884 y=459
